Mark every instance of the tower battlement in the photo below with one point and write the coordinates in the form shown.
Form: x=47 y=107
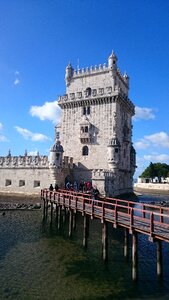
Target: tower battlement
x=100 y=69
x=23 y=161
x=102 y=73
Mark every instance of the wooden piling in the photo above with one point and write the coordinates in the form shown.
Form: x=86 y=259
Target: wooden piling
x=64 y=214
x=126 y=243
x=70 y=222
x=51 y=213
x=104 y=242
x=59 y=216
x=134 y=256
x=159 y=259
x=74 y=220
x=85 y=230
x=56 y=211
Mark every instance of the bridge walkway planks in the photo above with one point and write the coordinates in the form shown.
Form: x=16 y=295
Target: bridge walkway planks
x=144 y=218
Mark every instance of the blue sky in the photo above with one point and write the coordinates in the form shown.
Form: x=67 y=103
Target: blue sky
x=37 y=40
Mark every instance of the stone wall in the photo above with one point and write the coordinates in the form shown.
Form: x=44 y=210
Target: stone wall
x=152 y=186
x=24 y=180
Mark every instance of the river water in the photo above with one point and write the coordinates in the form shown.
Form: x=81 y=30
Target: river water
x=40 y=262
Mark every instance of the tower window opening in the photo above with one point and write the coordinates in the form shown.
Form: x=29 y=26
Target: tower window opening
x=57 y=156
x=116 y=150
x=8 y=182
x=82 y=129
x=36 y=183
x=84 y=110
x=21 y=182
x=85 y=151
x=88 y=91
x=86 y=129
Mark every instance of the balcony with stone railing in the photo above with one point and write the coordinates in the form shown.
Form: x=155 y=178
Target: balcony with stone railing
x=92 y=93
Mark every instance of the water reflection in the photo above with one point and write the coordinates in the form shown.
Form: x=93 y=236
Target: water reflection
x=38 y=261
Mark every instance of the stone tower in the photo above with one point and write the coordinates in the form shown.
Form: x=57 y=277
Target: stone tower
x=96 y=126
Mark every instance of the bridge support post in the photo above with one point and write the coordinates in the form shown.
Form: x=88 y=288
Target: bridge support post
x=47 y=204
x=44 y=207
x=74 y=220
x=159 y=259
x=56 y=218
x=59 y=216
x=126 y=243
x=104 y=241
x=85 y=230
x=64 y=214
x=51 y=213
x=70 y=222
x=134 y=256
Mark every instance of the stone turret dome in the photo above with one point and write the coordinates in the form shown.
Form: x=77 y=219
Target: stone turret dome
x=57 y=146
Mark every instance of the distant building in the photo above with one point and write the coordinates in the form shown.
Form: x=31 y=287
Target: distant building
x=95 y=135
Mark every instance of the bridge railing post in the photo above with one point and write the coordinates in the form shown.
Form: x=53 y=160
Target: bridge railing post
x=161 y=214
x=83 y=207
x=92 y=209
x=103 y=212
x=151 y=224
x=143 y=213
x=128 y=210
x=115 y=216
x=75 y=204
x=131 y=220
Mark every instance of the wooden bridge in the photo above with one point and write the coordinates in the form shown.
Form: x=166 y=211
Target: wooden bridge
x=134 y=217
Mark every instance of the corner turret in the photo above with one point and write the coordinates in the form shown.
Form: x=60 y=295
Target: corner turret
x=69 y=73
x=112 y=61
x=56 y=155
x=113 y=153
x=126 y=78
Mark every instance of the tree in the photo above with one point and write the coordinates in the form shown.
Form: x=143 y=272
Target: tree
x=149 y=172
x=156 y=170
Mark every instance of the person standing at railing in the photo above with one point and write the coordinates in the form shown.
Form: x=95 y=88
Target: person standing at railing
x=56 y=187
x=75 y=186
x=51 y=187
x=95 y=194
x=68 y=185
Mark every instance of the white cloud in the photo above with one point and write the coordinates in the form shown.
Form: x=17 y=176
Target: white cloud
x=48 y=111
x=142 y=144
x=157 y=157
x=33 y=153
x=143 y=113
x=28 y=135
x=16 y=81
x=16 y=72
x=159 y=139
x=3 y=138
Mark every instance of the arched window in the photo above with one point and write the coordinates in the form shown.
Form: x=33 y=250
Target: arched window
x=85 y=150
x=84 y=110
x=86 y=129
x=88 y=91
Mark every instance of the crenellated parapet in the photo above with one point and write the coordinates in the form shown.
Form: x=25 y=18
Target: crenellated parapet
x=109 y=70
x=40 y=161
x=97 y=96
x=23 y=161
x=95 y=70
